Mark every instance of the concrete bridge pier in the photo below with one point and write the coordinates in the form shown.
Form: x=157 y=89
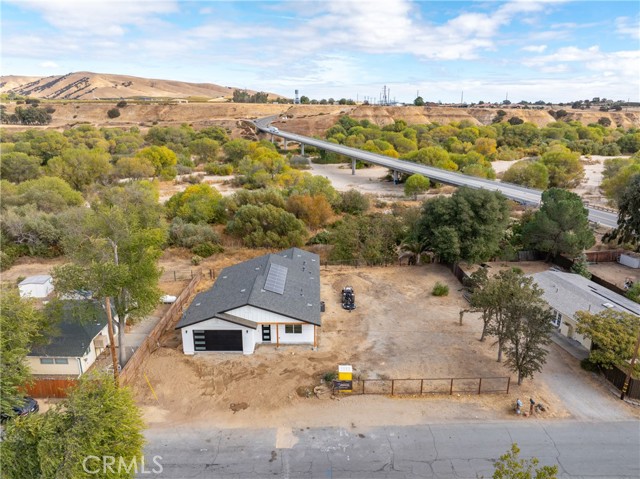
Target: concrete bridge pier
x=395 y=177
x=285 y=144
x=302 y=149
x=353 y=166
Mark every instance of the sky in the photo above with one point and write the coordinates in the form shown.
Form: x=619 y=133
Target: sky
x=551 y=50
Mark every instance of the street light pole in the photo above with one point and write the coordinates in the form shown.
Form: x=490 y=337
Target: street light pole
x=112 y=345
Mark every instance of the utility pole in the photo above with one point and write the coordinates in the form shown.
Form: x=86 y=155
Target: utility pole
x=112 y=345
x=633 y=362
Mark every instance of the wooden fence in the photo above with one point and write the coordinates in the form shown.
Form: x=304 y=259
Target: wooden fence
x=421 y=386
x=616 y=376
x=152 y=341
x=50 y=387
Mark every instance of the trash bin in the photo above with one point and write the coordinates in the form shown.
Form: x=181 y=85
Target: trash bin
x=322 y=306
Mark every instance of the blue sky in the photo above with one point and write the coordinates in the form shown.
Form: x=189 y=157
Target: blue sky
x=529 y=50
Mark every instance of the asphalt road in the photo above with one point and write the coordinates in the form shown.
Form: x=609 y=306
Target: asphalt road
x=523 y=195
x=580 y=449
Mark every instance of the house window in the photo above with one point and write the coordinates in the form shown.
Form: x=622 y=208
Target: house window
x=62 y=361
x=46 y=360
x=293 y=328
x=557 y=318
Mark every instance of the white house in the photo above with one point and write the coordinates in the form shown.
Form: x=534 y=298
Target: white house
x=272 y=299
x=567 y=293
x=39 y=286
x=77 y=340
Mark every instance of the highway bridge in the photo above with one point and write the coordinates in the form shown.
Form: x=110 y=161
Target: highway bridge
x=525 y=196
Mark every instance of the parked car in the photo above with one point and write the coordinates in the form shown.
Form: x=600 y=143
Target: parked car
x=29 y=406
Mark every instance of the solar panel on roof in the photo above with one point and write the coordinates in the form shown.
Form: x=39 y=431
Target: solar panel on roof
x=276 y=278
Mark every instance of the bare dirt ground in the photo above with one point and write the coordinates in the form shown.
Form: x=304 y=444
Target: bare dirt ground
x=615 y=273
x=399 y=330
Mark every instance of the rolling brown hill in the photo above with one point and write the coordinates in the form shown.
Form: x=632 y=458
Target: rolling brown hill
x=95 y=86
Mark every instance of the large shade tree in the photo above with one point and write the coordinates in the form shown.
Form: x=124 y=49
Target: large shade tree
x=560 y=226
x=114 y=248
x=467 y=226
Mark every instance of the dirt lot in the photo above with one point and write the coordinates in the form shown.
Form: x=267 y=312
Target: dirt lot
x=399 y=330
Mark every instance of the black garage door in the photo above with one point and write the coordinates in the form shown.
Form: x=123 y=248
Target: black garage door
x=218 y=340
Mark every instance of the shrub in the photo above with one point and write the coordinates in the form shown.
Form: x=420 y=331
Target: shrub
x=207 y=249
x=587 y=365
x=121 y=104
x=113 y=113
x=440 y=289
x=329 y=376
x=353 y=202
x=324 y=237
x=49 y=109
x=192 y=179
x=189 y=235
x=196 y=260
x=218 y=169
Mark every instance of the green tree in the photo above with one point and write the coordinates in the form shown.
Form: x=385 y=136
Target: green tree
x=560 y=226
x=134 y=168
x=204 y=149
x=197 y=204
x=81 y=167
x=419 y=101
x=236 y=150
x=633 y=293
x=510 y=466
x=353 y=202
x=528 y=331
x=267 y=227
x=18 y=167
x=115 y=247
x=614 y=332
x=372 y=239
x=48 y=194
x=467 y=226
x=617 y=175
x=581 y=266
x=415 y=185
x=532 y=174
x=113 y=113
x=21 y=324
x=499 y=300
x=565 y=170
x=628 y=229
x=96 y=419
x=162 y=158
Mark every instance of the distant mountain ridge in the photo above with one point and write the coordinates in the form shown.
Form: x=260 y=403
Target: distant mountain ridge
x=99 y=86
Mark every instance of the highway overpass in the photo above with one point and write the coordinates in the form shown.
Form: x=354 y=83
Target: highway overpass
x=525 y=196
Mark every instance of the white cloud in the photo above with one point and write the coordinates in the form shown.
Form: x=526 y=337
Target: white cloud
x=98 y=17
x=49 y=64
x=535 y=48
x=628 y=27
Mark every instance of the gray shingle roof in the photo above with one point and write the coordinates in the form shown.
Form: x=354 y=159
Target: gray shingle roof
x=568 y=293
x=80 y=322
x=243 y=284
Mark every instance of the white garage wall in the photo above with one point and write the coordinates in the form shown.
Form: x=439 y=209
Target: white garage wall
x=248 y=336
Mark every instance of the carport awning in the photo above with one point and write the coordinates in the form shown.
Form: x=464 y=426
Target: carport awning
x=237 y=320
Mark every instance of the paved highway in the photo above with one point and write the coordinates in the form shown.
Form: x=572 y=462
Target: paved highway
x=580 y=449
x=527 y=196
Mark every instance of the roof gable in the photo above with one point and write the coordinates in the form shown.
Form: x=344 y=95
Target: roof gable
x=244 y=284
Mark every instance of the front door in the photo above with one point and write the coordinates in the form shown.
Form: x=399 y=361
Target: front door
x=266 y=333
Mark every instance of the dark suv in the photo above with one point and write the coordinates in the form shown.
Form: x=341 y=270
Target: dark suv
x=28 y=406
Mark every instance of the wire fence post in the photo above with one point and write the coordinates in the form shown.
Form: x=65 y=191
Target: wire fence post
x=451 y=388
x=479 y=385
x=392 y=385
x=421 y=386
x=508 y=383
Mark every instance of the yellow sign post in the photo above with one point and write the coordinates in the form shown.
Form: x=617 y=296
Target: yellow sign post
x=345 y=378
